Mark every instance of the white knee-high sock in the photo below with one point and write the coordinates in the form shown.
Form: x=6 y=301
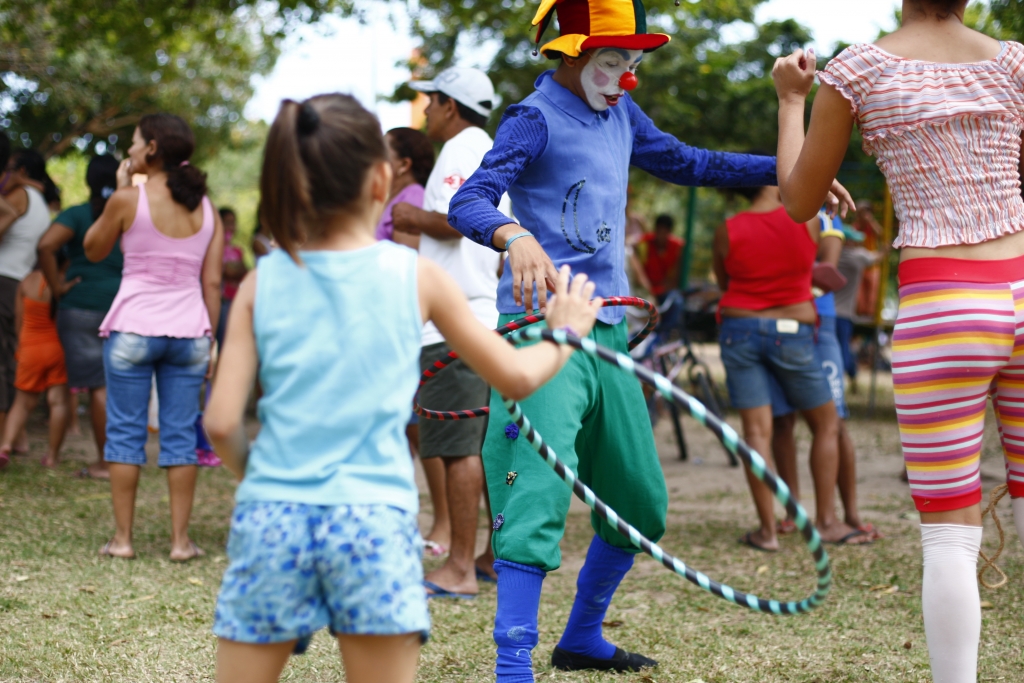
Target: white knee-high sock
x=950 y=600
x=1018 y=517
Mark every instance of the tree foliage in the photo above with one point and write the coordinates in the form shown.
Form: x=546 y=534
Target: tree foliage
x=82 y=72
x=1008 y=18
x=698 y=87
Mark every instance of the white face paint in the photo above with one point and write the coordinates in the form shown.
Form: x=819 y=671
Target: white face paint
x=600 y=76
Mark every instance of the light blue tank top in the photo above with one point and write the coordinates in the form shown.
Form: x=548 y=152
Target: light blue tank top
x=339 y=344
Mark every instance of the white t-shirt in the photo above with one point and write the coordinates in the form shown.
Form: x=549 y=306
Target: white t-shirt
x=18 y=244
x=474 y=267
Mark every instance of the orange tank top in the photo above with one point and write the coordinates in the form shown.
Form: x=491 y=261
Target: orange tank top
x=37 y=327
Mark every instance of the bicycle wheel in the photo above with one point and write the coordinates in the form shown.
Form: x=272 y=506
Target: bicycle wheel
x=677 y=423
x=703 y=389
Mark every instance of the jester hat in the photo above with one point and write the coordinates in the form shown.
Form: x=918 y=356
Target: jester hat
x=586 y=24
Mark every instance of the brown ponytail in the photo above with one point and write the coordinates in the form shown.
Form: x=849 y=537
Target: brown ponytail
x=315 y=164
x=174 y=146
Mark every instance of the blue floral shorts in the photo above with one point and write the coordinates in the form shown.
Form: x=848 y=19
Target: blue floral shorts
x=295 y=569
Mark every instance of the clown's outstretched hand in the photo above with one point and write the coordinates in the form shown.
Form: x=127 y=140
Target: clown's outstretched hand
x=532 y=269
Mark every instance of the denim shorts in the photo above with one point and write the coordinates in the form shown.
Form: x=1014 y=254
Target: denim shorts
x=131 y=361
x=295 y=568
x=831 y=355
x=754 y=351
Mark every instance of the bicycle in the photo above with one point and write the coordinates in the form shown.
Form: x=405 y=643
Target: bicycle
x=676 y=360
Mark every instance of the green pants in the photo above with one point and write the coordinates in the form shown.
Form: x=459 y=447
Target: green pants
x=594 y=417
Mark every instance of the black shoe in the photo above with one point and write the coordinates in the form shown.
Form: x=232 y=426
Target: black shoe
x=620 y=661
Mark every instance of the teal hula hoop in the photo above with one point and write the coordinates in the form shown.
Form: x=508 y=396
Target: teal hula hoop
x=729 y=438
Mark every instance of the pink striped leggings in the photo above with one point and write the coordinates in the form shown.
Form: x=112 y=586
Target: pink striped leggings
x=956 y=341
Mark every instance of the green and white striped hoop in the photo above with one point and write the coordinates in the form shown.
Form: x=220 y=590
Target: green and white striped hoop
x=729 y=438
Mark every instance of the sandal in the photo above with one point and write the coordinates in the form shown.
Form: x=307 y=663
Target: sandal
x=86 y=473
x=856 y=533
x=434 y=549
x=105 y=552
x=747 y=539
x=439 y=592
x=785 y=526
x=196 y=552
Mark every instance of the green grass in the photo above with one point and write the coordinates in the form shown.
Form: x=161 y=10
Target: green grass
x=68 y=615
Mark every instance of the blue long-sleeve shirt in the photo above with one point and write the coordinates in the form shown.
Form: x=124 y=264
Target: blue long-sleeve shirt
x=566 y=169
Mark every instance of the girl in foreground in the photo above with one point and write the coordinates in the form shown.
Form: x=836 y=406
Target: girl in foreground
x=324 y=532
x=942 y=107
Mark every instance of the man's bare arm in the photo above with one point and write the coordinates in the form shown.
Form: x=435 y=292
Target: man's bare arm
x=415 y=221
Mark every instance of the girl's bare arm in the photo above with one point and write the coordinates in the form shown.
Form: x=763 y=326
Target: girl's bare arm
x=224 y=417
x=515 y=373
x=807 y=166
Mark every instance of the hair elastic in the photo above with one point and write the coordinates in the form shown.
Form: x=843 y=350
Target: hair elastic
x=308 y=119
x=184 y=163
x=516 y=236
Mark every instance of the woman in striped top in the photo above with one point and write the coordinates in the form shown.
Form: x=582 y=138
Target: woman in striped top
x=941 y=107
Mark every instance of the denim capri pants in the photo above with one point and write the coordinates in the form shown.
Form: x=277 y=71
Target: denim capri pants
x=757 y=350
x=131 y=361
x=831 y=355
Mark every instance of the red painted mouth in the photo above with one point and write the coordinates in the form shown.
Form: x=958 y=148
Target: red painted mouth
x=612 y=100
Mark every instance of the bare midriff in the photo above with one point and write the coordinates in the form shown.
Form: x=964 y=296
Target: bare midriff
x=803 y=312
x=1005 y=247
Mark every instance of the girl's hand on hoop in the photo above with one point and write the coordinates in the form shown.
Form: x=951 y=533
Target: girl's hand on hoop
x=794 y=75
x=572 y=305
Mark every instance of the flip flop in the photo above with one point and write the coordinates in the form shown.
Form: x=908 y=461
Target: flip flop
x=196 y=552
x=483 y=576
x=845 y=540
x=785 y=526
x=84 y=473
x=105 y=552
x=438 y=592
x=434 y=549
x=870 y=530
x=5 y=459
x=747 y=539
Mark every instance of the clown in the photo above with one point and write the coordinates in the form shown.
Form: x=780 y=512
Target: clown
x=563 y=155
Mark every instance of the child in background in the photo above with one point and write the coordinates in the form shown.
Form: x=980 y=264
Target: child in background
x=324 y=532
x=40 y=366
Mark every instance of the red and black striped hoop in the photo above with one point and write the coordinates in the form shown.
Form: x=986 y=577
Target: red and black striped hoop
x=438 y=366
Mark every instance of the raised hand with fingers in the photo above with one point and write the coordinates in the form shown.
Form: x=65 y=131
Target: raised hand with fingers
x=532 y=270
x=839 y=201
x=572 y=306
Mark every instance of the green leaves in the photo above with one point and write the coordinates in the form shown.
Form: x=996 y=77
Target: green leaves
x=82 y=72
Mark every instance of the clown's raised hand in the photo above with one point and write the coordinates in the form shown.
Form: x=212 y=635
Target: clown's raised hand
x=532 y=269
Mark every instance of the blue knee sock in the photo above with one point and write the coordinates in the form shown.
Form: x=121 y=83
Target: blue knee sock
x=600 y=576
x=515 y=622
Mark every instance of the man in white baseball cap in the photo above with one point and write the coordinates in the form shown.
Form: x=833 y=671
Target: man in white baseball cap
x=469 y=87
x=461 y=99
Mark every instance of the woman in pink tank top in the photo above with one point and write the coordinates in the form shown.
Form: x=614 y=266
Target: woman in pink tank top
x=162 y=320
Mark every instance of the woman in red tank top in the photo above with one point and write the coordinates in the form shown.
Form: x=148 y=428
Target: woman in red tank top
x=763 y=262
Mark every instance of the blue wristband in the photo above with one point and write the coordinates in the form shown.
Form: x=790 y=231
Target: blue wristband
x=516 y=236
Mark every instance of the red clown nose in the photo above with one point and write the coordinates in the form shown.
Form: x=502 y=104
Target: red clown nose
x=628 y=81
